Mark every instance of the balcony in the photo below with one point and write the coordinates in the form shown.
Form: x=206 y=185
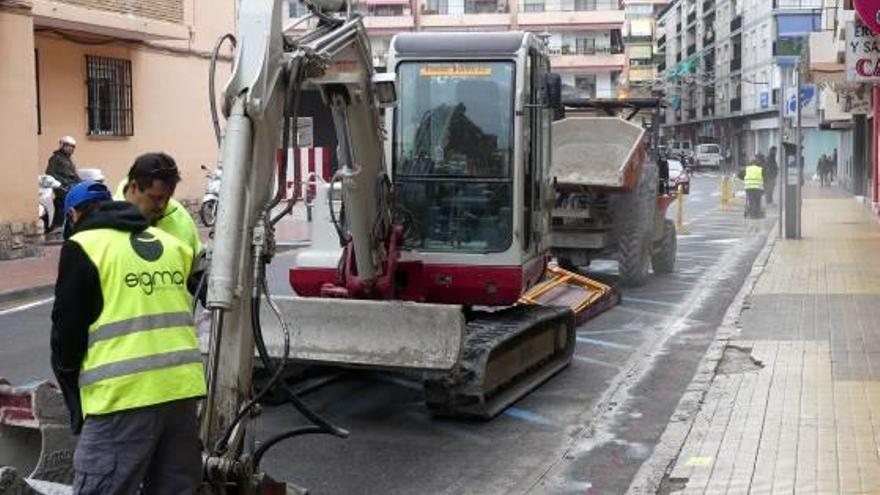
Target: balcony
x=157 y=20
x=736 y=23
x=465 y=15
x=590 y=14
x=600 y=61
x=638 y=38
x=641 y=73
x=736 y=104
x=378 y=25
x=735 y=64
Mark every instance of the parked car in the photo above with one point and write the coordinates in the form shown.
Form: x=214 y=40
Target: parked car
x=679 y=176
x=708 y=156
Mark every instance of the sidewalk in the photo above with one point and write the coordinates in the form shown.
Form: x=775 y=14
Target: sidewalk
x=794 y=406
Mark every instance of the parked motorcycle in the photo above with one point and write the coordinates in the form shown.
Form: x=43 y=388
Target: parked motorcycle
x=46 y=199
x=208 y=208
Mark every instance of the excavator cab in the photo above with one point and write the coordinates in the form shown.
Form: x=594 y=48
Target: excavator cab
x=468 y=147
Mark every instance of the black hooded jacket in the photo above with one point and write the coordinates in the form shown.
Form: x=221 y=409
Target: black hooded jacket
x=79 y=301
x=62 y=168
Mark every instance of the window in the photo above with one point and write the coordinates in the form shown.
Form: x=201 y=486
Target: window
x=453 y=155
x=582 y=5
x=533 y=6
x=585 y=46
x=108 y=81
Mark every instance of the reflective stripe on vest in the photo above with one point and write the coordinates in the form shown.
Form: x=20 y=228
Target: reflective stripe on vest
x=139 y=324
x=754 y=178
x=142 y=349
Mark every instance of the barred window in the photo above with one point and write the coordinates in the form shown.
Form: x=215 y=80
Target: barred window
x=109 y=86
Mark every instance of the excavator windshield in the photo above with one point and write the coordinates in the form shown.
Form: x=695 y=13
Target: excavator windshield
x=453 y=155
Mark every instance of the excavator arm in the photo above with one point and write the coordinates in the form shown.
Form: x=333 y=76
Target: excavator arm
x=260 y=103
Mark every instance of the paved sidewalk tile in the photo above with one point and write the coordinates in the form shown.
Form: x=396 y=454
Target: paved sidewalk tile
x=28 y=273
x=795 y=406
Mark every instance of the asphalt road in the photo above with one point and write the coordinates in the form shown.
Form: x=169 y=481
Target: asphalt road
x=587 y=430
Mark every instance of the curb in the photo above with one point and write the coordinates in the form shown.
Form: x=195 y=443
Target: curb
x=28 y=292
x=652 y=472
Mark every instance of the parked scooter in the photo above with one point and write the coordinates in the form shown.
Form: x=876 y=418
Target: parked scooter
x=46 y=199
x=208 y=208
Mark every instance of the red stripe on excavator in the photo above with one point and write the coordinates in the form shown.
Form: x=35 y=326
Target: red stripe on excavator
x=446 y=284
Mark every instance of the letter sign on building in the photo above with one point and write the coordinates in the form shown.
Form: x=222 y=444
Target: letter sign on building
x=862 y=53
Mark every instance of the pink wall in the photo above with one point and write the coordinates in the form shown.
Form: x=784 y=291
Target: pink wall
x=170 y=109
x=18 y=145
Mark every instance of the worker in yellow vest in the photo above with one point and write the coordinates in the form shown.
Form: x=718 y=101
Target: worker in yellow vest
x=754 y=186
x=150 y=185
x=124 y=349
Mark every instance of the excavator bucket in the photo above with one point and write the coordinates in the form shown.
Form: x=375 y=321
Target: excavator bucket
x=586 y=297
x=35 y=437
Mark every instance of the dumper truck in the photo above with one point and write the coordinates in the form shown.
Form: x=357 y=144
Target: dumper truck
x=611 y=201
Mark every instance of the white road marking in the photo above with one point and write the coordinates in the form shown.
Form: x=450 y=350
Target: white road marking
x=27 y=306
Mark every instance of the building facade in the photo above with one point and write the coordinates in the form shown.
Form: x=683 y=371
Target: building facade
x=584 y=36
x=639 y=35
x=722 y=71
x=121 y=77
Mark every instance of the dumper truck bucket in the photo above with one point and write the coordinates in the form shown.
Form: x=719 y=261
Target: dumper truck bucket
x=596 y=152
x=35 y=436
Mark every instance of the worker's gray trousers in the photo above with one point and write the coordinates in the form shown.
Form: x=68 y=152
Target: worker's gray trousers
x=155 y=449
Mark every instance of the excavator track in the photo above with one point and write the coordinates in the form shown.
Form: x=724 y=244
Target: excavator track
x=507 y=354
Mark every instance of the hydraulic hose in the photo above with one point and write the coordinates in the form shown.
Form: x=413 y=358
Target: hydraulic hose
x=268 y=444
x=294 y=400
x=212 y=69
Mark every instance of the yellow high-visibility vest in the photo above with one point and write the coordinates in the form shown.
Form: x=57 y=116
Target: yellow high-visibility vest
x=175 y=220
x=142 y=349
x=754 y=178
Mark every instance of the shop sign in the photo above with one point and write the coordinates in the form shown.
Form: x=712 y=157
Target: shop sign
x=862 y=53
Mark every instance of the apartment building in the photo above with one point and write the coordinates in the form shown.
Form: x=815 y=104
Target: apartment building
x=642 y=55
x=722 y=69
x=123 y=77
x=584 y=36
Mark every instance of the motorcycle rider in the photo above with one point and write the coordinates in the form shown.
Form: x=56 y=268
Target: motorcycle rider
x=61 y=167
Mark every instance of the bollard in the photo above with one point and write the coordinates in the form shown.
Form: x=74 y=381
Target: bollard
x=680 y=227
x=726 y=192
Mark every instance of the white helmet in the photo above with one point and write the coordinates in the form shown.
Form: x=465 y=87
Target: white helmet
x=67 y=140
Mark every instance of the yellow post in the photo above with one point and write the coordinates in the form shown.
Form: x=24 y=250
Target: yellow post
x=680 y=227
x=726 y=192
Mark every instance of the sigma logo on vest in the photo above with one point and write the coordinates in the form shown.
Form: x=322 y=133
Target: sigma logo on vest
x=149 y=248
x=146 y=245
x=149 y=282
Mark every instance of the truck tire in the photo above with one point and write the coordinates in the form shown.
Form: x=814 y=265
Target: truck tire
x=636 y=214
x=663 y=258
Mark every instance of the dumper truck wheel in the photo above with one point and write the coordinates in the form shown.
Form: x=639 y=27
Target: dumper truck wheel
x=635 y=237
x=663 y=258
